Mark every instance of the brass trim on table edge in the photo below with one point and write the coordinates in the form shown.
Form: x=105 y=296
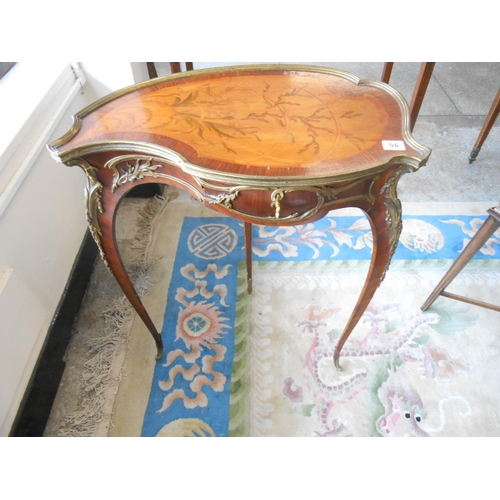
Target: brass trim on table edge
x=175 y=159
x=323 y=193
x=407 y=134
x=394 y=211
x=77 y=118
x=225 y=195
x=326 y=196
x=134 y=172
x=296 y=217
x=93 y=203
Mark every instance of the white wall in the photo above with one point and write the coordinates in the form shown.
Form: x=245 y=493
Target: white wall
x=42 y=226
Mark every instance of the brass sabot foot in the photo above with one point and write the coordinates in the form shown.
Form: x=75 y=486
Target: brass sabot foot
x=336 y=362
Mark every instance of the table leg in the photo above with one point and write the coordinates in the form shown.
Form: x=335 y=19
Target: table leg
x=385 y=219
x=491 y=224
x=487 y=126
x=248 y=253
x=386 y=72
x=111 y=256
x=424 y=78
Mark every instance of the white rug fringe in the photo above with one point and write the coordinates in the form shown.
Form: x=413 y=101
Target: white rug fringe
x=101 y=378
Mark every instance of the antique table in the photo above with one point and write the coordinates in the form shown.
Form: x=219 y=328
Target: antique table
x=272 y=145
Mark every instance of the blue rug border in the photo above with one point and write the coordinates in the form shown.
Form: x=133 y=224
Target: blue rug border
x=216 y=414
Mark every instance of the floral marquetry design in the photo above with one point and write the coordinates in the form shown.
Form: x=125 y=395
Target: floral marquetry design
x=271 y=121
x=277 y=120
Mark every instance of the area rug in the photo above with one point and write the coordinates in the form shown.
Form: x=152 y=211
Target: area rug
x=260 y=364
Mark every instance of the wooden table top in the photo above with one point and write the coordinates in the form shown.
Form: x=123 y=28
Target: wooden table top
x=267 y=121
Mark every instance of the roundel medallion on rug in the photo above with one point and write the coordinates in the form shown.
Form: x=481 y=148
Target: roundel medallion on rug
x=212 y=241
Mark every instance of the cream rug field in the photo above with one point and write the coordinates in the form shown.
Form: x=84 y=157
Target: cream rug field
x=260 y=364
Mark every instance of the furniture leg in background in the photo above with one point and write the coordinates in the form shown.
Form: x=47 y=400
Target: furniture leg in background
x=488 y=124
x=152 y=70
x=175 y=67
x=386 y=72
x=423 y=80
x=491 y=224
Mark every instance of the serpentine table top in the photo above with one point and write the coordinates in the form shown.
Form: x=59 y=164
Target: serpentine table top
x=272 y=145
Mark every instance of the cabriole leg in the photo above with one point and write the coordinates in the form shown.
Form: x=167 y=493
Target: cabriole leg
x=385 y=217
x=248 y=253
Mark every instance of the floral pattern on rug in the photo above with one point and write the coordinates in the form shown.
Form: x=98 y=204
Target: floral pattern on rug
x=261 y=364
